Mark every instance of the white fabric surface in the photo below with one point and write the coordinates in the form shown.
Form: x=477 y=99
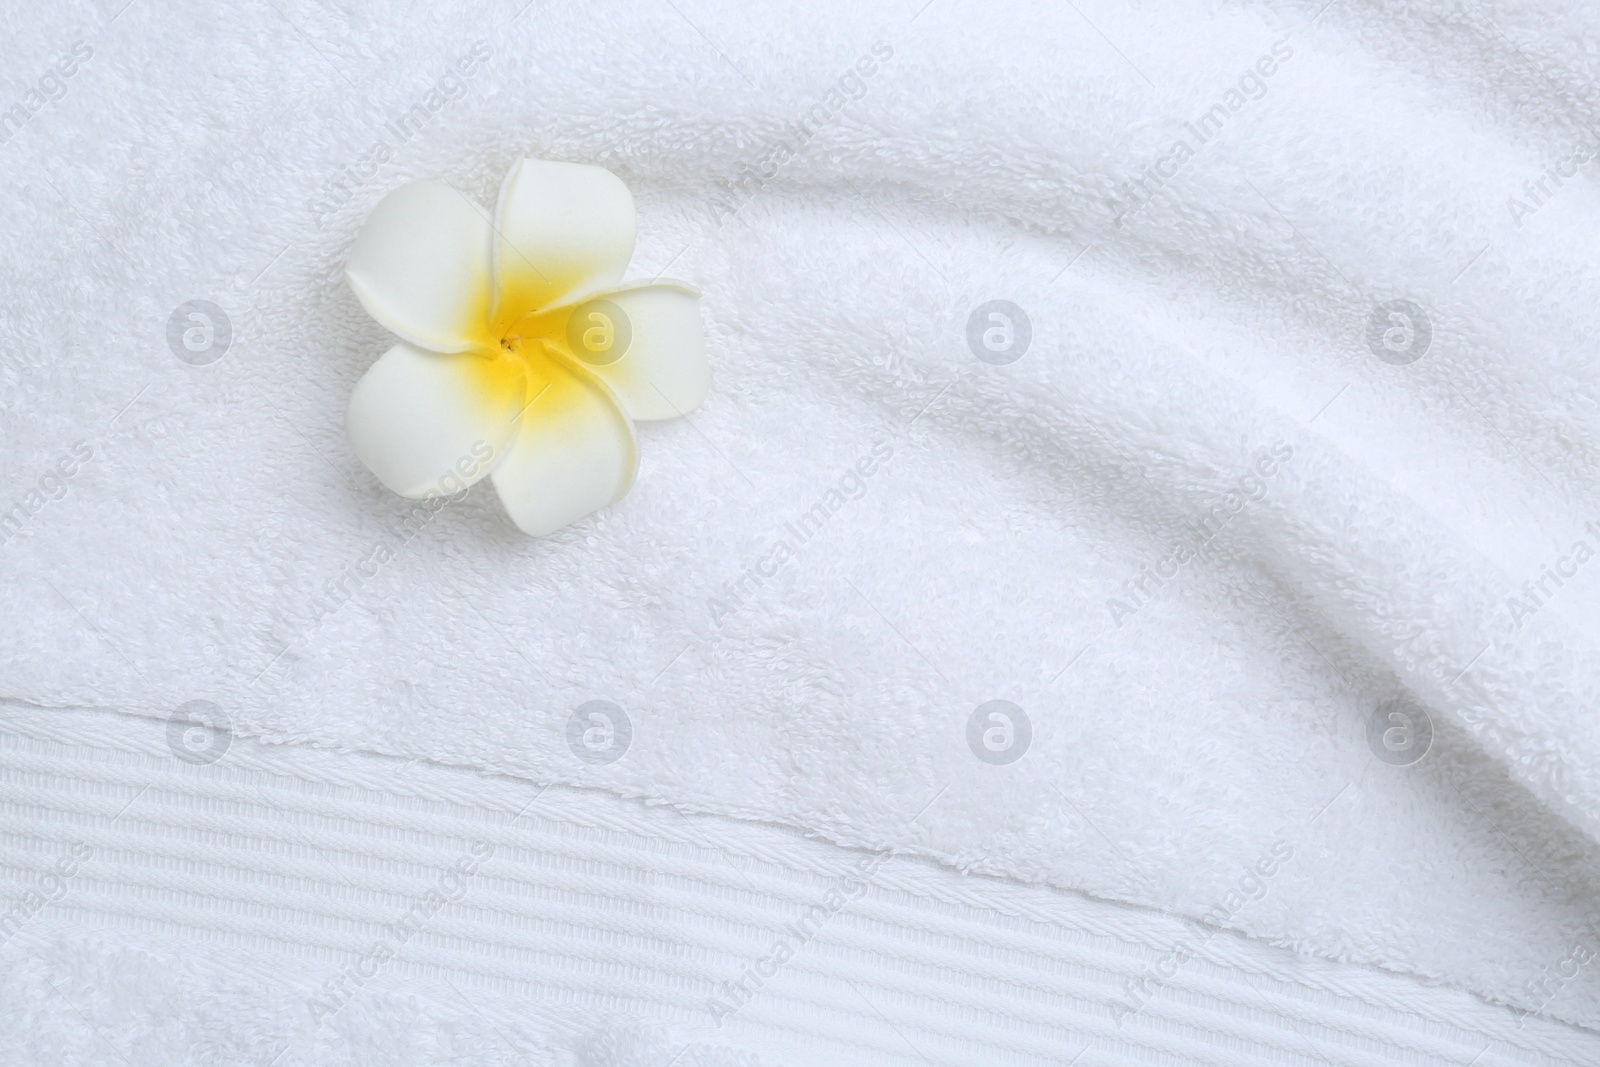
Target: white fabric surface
x=198 y=155
x=234 y=913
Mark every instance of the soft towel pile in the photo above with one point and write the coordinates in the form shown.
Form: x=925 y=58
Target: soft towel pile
x=1211 y=387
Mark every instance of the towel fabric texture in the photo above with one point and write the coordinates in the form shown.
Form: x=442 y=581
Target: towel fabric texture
x=1150 y=453
x=295 y=906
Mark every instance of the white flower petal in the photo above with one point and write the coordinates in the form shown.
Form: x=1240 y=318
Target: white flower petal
x=574 y=452
x=429 y=422
x=648 y=343
x=421 y=266
x=564 y=229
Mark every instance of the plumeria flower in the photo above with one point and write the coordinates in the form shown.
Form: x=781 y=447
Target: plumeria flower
x=521 y=358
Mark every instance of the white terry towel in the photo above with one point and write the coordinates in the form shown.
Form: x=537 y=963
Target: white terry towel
x=1217 y=367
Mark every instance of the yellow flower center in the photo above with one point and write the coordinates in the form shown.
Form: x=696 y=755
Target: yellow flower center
x=522 y=359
